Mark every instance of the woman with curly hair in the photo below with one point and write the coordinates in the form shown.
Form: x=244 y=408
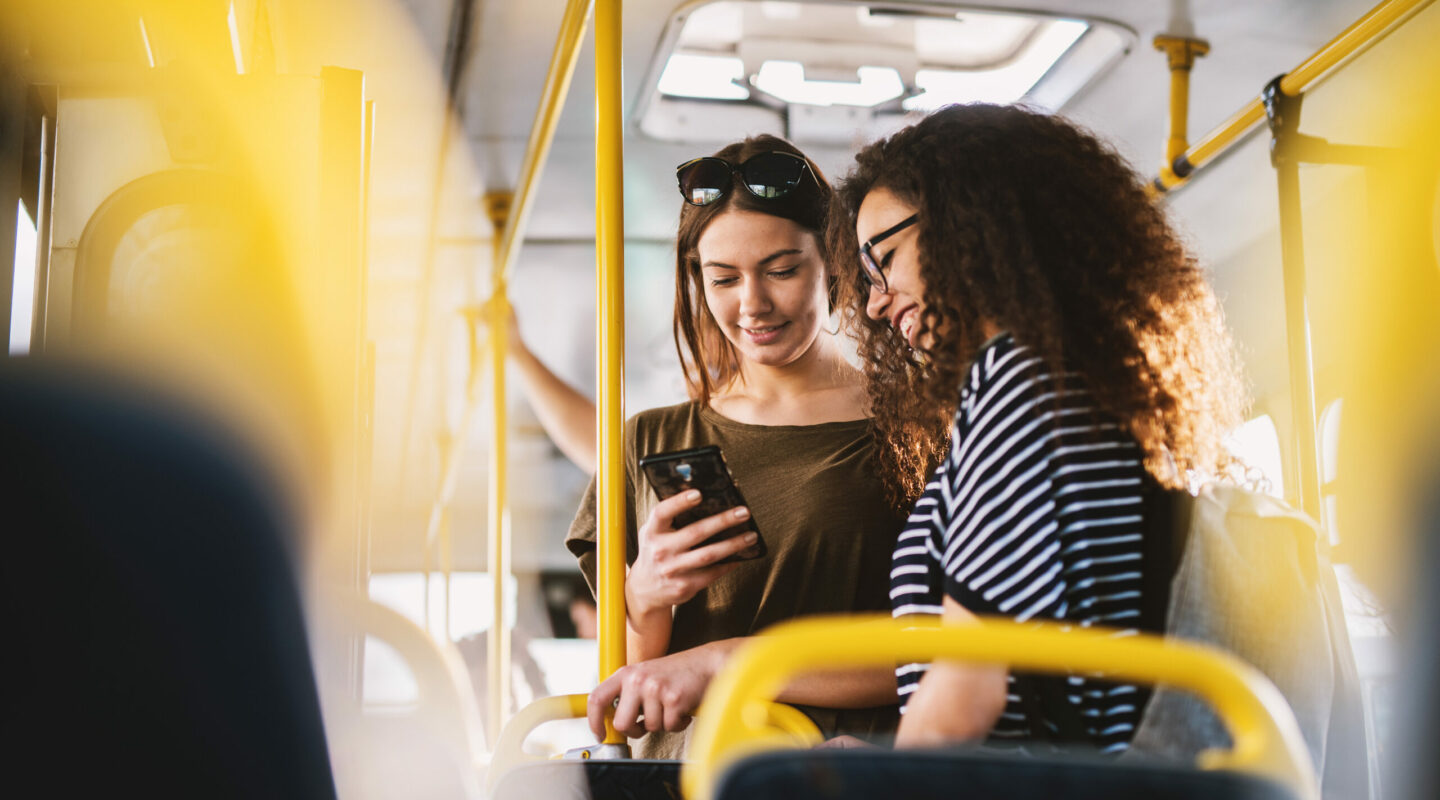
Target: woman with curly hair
x=1031 y=324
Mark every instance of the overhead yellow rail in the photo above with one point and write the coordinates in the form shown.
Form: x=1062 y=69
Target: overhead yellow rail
x=1362 y=33
x=510 y=215
x=733 y=722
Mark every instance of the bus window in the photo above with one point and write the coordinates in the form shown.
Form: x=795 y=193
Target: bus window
x=1257 y=445
x=22 y=301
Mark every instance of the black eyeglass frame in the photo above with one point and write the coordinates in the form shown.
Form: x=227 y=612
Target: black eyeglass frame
x=737 y=171
x=871 y=266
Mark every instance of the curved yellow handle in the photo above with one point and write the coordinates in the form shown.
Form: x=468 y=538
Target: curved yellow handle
x=791 y=721
x=1267 y=740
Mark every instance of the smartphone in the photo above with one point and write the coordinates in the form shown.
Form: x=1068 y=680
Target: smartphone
x=702 y=468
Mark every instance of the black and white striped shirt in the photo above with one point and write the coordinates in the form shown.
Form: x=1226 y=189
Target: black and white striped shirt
x=1036 y=513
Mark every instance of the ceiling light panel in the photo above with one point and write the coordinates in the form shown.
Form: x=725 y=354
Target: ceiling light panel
x=775 y=59
x=788 y=81
x=703 y=76
x=1008 y=83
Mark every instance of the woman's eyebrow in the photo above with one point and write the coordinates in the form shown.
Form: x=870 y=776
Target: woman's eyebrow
x=794 y=251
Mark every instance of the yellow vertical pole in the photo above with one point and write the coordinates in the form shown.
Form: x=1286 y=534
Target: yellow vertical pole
x=610 y=302
x=497 y=310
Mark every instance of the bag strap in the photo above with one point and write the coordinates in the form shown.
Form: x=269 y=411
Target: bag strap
x=1166 y=532
x=1040 y=694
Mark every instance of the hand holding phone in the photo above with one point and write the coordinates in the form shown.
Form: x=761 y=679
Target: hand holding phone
x=690 y=538
x=702 y=469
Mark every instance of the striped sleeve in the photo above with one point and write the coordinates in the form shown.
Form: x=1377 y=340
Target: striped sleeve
x=998 y=546
x=912 y=589
x=1038 y=516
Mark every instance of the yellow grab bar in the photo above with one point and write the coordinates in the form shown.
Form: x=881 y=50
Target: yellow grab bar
x=1362 y=33
x=610 y=341
x=792 y=721
x=542 y=130
x=733 y=721
x=510 y=214
x=497 y=311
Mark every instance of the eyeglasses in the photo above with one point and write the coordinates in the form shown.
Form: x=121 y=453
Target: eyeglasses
x=873 y=272
x=765 y=175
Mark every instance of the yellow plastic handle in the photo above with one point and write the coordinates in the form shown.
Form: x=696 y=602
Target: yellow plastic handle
x=1267 y=740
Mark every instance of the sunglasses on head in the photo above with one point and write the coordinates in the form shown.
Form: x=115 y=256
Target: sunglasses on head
x=765 y=175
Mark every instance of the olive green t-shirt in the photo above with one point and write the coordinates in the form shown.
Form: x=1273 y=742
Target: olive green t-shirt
x=814 y=494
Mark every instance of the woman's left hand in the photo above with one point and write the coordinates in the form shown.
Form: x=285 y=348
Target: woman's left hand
x=657 y=695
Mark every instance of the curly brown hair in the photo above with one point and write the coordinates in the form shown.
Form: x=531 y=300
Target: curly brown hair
x=707 y=357
x=1034 y=224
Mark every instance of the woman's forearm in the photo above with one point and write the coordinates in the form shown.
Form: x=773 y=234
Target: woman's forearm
x=647 y=635
x=852 y=688
x=567 y=415
x=954 y=701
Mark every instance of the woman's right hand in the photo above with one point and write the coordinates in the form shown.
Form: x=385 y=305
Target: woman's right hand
x=667 y=571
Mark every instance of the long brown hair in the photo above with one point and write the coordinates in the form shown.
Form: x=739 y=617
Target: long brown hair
x=1028 y=221
x=707 y=357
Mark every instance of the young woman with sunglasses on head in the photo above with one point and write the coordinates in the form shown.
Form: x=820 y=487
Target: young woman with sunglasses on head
x=771 y=387
x=1023 y=294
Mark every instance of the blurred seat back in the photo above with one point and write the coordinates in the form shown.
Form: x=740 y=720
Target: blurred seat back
x=931 y=775
x=154 y=636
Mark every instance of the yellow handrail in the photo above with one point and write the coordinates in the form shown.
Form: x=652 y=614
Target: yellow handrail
x=510 y=215
x=557 y=84
x=497 y=650
x=733 y=720
x=1181 y=53
x=542 y=130
x=1363 y=32
x=610 y=341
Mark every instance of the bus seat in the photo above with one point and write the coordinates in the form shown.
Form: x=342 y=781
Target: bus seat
x=154 y=640
x=428 y=750
x=738 y=755
x=861 y=774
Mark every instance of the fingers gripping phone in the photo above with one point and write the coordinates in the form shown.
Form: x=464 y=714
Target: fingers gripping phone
x=702 y=468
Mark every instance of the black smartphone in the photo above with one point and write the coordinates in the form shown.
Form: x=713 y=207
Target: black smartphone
x=702 y=468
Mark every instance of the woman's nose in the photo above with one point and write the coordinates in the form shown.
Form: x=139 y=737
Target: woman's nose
x=753 y=298
x=876 y=305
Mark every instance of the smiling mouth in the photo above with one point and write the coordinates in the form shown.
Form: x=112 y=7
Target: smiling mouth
x=764 y=334
x=906 y=324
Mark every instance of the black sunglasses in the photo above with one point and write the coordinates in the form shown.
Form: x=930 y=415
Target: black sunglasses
x=765 y=175
x=873 y=272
